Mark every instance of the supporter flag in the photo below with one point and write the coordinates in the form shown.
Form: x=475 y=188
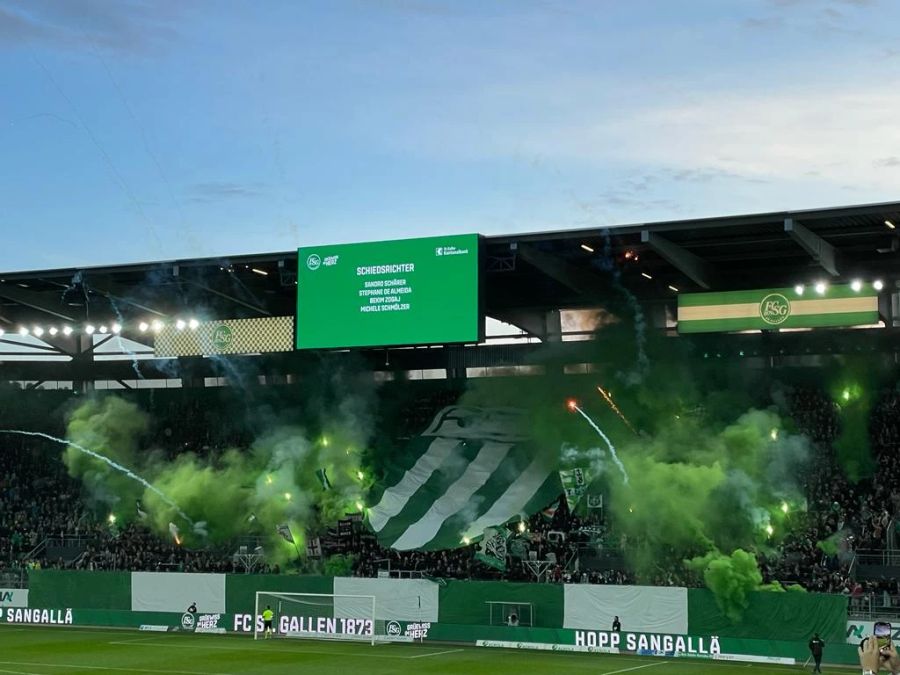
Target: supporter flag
x=550 y=511
x=285 y=531
x=517 y=546
x=595 y=501
x=313 y=547
x=323 y=479
x=473 y=468
x=492 y=551
x=574 y=482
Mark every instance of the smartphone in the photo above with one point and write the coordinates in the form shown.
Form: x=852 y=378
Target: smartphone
x=883 y=633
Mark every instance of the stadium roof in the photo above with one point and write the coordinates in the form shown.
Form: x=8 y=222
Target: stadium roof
x=540 y=269
x=523 y=274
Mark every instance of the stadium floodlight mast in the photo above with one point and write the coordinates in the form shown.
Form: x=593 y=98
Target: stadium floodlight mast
x=23 y=331
x=38 y=331
x=143 y=326
x=89 y=329
x=798 y=289
x=856 y=285
x=67 y=330
x=878 y=284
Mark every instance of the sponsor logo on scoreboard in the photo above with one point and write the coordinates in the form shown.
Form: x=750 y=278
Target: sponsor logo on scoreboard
x=774 y=309
x=450 y=250
x=314 y=261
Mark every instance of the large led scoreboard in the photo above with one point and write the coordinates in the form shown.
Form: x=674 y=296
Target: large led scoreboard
x=404 y=292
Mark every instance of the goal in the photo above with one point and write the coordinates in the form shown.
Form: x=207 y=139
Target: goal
x=500 y=612
x=320 y=616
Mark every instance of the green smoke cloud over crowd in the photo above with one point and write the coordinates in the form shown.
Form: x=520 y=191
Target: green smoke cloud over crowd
x=715 y=463
x=306 y=477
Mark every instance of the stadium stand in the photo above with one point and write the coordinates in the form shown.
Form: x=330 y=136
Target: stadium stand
x=63 y=531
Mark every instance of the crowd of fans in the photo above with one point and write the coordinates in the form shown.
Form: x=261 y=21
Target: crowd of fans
x=37 y=500
x=40 y=503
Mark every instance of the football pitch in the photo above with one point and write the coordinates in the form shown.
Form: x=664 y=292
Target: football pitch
x=55 y=651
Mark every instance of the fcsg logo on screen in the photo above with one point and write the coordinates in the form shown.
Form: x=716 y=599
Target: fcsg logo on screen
x=314 y=261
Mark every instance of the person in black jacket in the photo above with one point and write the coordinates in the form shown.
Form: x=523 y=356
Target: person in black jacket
x=617 y=626
x=816 y=647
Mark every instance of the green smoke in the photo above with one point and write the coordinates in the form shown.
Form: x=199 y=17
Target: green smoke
x=233 y=491
x=713 y=466
x=114 y=428
x=730 y=578
x=853 y=396
x=696 y=489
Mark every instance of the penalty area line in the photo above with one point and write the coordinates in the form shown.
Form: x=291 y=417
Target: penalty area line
x=628 y=670
x=448 y=651
x=300 y=649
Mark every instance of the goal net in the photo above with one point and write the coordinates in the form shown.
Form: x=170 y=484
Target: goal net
x=507 y=613
x=321 y=616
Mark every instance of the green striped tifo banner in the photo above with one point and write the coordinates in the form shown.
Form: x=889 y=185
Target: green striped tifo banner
x=472 y=469
x=772 y=308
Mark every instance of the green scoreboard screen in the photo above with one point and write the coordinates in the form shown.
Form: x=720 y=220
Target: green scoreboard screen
x=405 y=292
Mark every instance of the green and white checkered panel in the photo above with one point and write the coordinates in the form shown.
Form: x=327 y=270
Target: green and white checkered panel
x=230 y=336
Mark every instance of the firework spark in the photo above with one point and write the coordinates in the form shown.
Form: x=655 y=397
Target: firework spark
x=612 y=404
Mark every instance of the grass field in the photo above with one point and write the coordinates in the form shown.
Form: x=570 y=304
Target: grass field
x=54 y=651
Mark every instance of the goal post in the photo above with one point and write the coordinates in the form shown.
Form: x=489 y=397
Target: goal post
x=319 y=616
x=500 y=612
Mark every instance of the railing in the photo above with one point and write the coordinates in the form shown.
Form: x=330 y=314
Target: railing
x=886 y=558
x=17 y=578
x=404 y=574
x=851 y=571
x=874 y=606
x=71 y=540
x=35 y=552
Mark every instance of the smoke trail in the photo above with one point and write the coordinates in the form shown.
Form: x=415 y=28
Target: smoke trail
x=612 y=448
x=107 y=460
x=607 y=263
x=134 y=362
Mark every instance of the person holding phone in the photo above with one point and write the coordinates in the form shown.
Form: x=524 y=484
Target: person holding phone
x=874 y=653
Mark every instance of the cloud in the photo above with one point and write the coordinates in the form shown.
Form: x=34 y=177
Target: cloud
x=214 y=191
x=122 y=26
x=14 y=27
x=763 y=23
x=887 y=162
x=750 y=135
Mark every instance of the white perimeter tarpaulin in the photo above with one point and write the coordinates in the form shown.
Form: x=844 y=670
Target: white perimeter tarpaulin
x=641 y=609
x=397 y=599
x=175 y=591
